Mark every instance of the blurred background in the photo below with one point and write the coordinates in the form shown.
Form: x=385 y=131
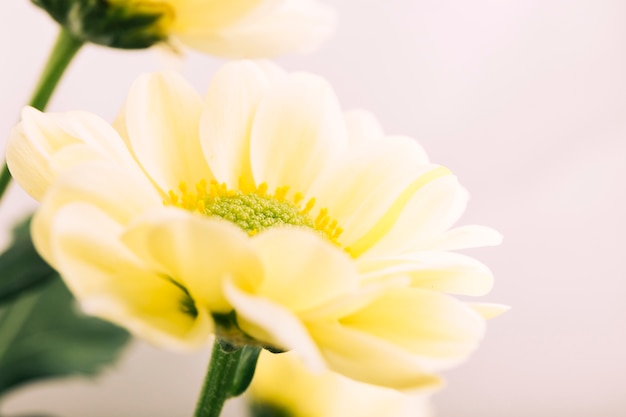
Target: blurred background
x=524 y=99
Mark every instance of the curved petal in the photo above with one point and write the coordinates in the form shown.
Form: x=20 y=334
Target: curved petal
x=303 y=270
x=296 y=25
x=110 y=282
x=363 y=126
x=207 y=16
x=362 y=185
x=100 y=184
x=367 y=359
x=271 y=323
x=466 y=237
x=196 y=252
x=425 y=209
x=234 y=94
x=422 y=322
x=489 y=310
x=437 y=271
x=162 y=117
x=297 y=131
x=40 y=136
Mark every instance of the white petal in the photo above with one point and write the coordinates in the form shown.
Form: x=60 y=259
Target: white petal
x=110 y=283
x=234 y=94
x=104 y=185
x=298 y=129
x=274 y=324
x=466 y=237
x=437 y=271
x=162 y=119
x=196 y=252
x=359 y=189
x=303 y=270
x=296 y=25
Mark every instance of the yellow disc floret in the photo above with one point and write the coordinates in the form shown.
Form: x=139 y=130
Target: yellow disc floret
x=253 y=209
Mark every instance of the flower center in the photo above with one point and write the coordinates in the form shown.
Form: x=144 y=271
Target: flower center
x=254 y=209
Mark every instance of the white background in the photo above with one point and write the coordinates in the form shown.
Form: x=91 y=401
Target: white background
x=524 y=99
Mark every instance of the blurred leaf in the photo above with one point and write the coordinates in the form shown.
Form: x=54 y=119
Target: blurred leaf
x=259 y=409
x=42 y=335
x=21 y=267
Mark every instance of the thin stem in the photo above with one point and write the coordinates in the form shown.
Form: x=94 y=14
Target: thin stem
x=219 y=379
x=63 y=51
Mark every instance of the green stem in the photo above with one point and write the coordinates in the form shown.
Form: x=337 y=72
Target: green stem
x=219 y=379
x=63 y=52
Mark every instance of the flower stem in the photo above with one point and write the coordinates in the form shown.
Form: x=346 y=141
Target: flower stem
x=62 y=53
x=219 y=379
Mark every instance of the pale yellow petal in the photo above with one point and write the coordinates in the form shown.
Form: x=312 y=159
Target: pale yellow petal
x=423 y=322
x=297 y=131
x=489 y=310
x=425 y=210
x=302 y=269
x=36 y=140
x=196 y=252
x=368 y=359
x=295 y=26
x=207 y=16
x=110 y=282
x=363 y=126
x=439 y=271
x=162 y=121
x=102 y=184
x=466 y=237
x=274 y=324
x=365 y=182
x=234 y=94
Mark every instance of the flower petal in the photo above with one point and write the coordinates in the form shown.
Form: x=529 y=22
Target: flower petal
x=367 y=359
x=303 y=270
x=466 y=237
x=437 y=271
x=489 y=310
x=296 y=25
x=274 y=324
x=40 y=136
x=101 y=184
x=364 y=183
x=162 y=116
x=196 y=252
x=297 y=131
x=424 y=323
x=363 y=126
x=232 y=100
x=110 y=283
x=206 y=16
x=425 y=209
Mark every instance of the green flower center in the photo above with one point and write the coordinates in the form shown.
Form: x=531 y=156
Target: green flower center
x=253 y=210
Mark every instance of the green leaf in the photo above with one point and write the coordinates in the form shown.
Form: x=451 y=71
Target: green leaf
x=245 y=370
x=43 y=335
x=21 y=267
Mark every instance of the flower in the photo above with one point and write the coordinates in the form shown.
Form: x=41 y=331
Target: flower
x=283 y=386
x=233 y=28
x=263 y=214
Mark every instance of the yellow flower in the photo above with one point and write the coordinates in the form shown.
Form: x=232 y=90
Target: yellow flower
x=232 y=28
x=322 y=234
x=283 y=386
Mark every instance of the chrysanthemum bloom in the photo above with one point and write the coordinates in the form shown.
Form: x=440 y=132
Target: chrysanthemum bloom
x=283 y=386
x=262 y=213
x=232 y=28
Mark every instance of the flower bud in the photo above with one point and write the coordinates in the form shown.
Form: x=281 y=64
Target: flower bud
x=126 y=24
